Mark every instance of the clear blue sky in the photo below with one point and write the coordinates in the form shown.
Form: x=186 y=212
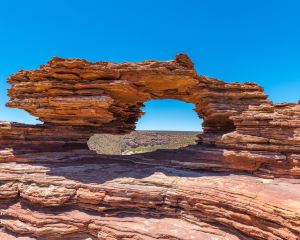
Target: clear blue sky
x=233 y=40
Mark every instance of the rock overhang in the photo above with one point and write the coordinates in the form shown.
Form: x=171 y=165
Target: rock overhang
x=76 y=98
x=104 y=95
x=47 y=171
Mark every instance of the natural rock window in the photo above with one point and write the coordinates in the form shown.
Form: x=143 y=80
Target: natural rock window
x=231 y=185
x=166 y=124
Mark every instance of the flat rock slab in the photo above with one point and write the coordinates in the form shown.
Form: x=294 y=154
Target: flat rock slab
x=123 y=200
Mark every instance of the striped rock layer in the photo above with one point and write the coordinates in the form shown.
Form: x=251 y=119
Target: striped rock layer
x=240 y=181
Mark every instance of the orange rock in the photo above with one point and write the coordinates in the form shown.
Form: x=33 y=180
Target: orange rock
x=53 y=187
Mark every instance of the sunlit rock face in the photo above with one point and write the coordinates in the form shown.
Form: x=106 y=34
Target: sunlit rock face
x=107 y=97
x=77 y=97
x=240 y=181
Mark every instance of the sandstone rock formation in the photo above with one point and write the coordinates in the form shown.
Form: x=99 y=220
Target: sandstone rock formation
x=239 y=182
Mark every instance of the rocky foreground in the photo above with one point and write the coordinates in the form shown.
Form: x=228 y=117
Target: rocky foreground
x=241 y=181
x=110 y=199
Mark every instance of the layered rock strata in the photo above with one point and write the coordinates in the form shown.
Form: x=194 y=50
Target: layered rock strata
x=113 y=200
x=239 y=182
x=108 y=96
x=80 y=97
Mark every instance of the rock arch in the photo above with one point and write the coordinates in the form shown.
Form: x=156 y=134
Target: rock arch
x=78 y=98
x=107 y=97
x=49 y=165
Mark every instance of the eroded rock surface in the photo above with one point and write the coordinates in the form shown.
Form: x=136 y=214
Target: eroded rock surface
x=108 y=96
x=113 y=200
x=240 y=181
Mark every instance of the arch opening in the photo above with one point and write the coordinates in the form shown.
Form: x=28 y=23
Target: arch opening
x=169 y=115
x=165 y=124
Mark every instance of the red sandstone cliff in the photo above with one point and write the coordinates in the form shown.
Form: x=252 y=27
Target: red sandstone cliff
x=247 y=161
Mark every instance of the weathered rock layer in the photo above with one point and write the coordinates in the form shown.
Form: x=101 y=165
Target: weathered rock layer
x=54 y=187
x=113 y=200
x=78 y=98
